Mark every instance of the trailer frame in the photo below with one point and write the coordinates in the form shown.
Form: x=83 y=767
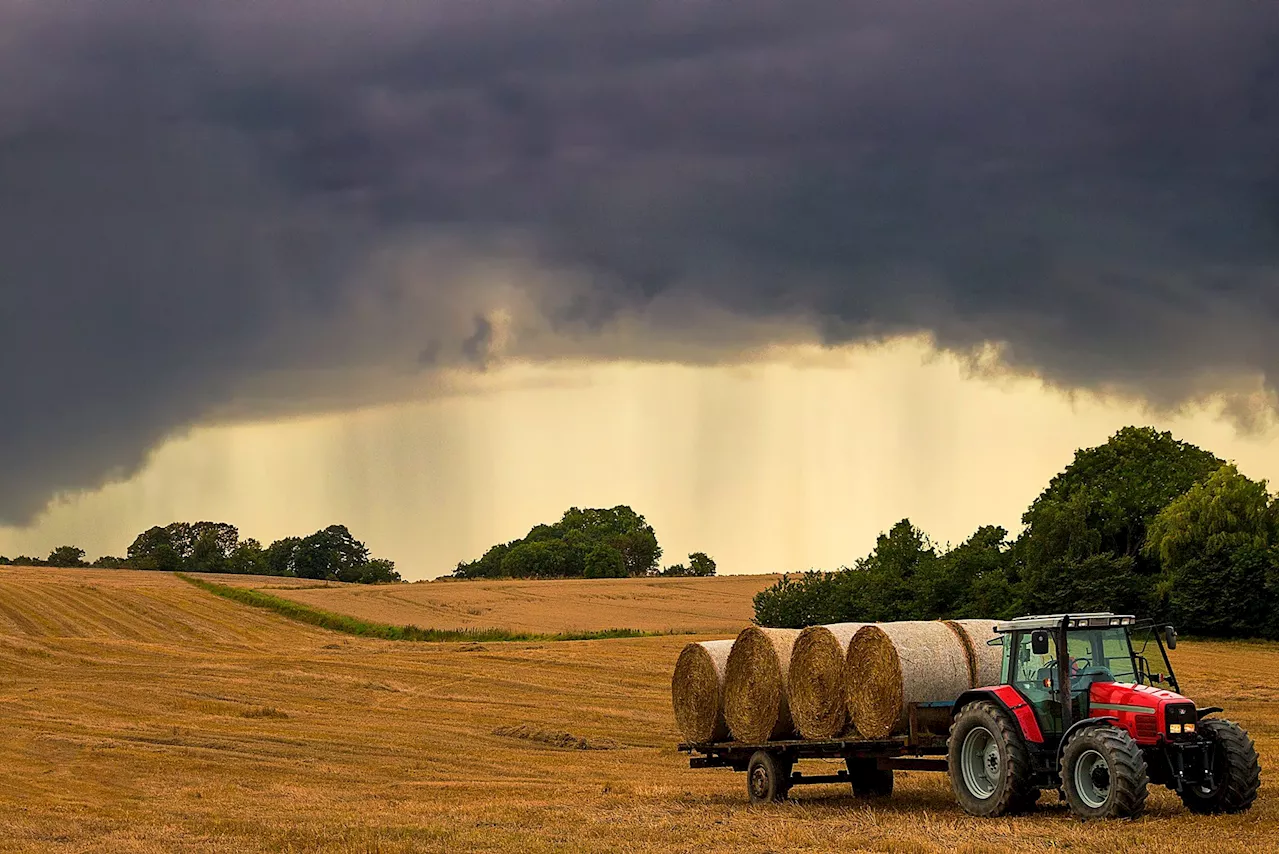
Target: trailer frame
x=922 y=748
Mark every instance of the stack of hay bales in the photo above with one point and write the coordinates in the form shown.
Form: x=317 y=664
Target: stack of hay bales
x=848 y=679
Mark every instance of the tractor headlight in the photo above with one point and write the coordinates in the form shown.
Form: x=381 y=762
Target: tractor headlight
x=1188 y=727
x=1175 y=729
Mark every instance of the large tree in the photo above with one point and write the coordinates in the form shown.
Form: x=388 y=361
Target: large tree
x=1083 y=542
x=584 y=542
x=66 y=556
x=331 y=552
x=1216 y=544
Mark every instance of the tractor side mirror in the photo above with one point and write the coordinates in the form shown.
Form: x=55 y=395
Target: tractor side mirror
x=1040 y=643
x=1170 y=637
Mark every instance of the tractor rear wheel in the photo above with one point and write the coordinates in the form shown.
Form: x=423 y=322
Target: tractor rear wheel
x=768 y=777
x=1234 y=763
x=1103 y=774
x=868 y=780
x=988 y=762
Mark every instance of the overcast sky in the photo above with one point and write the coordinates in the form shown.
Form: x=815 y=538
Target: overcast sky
x=239 y=213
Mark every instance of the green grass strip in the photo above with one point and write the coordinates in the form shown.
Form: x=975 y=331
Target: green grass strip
x=367 y=629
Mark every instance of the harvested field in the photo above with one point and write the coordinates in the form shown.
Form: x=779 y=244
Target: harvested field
x=132 y=719
x=710 y=605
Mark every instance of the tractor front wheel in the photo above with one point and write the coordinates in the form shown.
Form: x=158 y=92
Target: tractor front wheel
x=988 y=762
x=1104 y=774
x=1234 y=768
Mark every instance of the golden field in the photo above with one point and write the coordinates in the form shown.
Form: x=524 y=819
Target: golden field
x=140 y=714
x=691 y=605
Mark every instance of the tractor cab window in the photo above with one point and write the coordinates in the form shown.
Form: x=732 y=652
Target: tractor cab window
x=1099 y=655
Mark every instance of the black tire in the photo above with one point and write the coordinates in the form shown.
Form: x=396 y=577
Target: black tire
x=1103 y=774
x=997 y=779
x=1235 y=764
x=867 y=780
x=768 y=777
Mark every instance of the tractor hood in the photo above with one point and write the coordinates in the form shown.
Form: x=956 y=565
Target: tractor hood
x=1144 y=710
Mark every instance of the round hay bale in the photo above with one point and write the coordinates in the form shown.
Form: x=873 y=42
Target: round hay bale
x=893 y=664
x=755 y=684
x=697 y=691
x=984 y=660
x=816 y=682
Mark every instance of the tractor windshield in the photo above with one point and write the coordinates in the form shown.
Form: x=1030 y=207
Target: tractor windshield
x=1105 y=650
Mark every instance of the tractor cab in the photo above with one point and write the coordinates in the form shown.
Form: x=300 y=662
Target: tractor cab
x=1070 y=667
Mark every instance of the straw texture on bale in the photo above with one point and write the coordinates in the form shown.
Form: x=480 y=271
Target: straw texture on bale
x=984 y=660
x=816 y=692
x=697 y=691
x=755 y=684
x=893 y=664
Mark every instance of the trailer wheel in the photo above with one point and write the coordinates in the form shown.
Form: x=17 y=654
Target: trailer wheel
x=1103 y=774
x=768 y=777
x=1234 y=763
x=988 y=762
x=867 y=779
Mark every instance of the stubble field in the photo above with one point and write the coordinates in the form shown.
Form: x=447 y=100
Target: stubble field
x=138 y=713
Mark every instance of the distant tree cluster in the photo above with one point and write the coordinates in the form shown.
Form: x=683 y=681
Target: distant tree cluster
x=699 y=566
x=329 y=554
x=1143 y=524
x=590 y=543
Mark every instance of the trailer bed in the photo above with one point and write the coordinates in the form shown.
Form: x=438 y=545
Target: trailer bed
x=920 y=749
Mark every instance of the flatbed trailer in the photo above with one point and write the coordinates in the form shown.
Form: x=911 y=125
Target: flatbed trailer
x=869 y=763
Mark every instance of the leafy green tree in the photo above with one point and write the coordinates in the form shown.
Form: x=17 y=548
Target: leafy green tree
x=331 y=552
x=110 y=562
x=158 y=548
x=212 y=544
x=379 y=571
x=281 y=556
x=701 y=565
x=620 y=527
x=533 y=560
x=1217 y=547
x=970 y=580
x=248 y=558
x=67 y=556
x=1083 y=542
x=811 y=599
x=891 y=575
x=604 y=561
x=569 y=543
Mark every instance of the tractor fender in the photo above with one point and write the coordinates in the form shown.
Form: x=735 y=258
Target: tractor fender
x=1008 y=698
x=1084 y=723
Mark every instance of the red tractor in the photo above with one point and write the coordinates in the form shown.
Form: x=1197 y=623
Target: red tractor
x=1082 y=711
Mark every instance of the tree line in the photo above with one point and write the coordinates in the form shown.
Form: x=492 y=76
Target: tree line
x=586 y=543
x=1143 y=524
x=331 y=554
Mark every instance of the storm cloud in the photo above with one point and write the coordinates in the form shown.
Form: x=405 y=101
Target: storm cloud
x=244 y=207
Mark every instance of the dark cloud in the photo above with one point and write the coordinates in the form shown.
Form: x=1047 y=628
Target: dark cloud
x=209 y=208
